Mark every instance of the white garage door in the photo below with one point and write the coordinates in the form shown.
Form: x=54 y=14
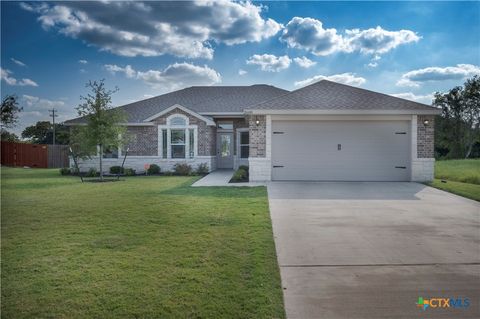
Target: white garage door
x=341 y=150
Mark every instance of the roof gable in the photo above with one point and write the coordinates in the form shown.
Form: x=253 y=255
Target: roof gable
x=208 y=121
x=331 y=96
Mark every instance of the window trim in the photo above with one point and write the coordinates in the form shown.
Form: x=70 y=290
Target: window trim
x=169 y=127
x=220 y=129
x=184 y=144
x=239 y=151
x=171 y=117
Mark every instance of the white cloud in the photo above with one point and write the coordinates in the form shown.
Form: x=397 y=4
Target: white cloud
x=304 y=62
x=373 y=62
x=6 y=75
x=270 y=62
x=310 y=35
x=82 y=61
x=128 y=70
x=242 y=72
x=426 y=99
x=174 y=76
x=185 y=29
x=378 y=41
x=39 y=103
x=18 y=62
x=345 y=78
x=416 y=77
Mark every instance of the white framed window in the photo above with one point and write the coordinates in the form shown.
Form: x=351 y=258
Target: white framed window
x=243 y=141
x=178 y=143
x=177 y=139
x=177 y=120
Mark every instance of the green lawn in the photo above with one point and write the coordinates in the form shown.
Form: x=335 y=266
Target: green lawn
x=465 y=171
x=471 y=191
x=140 y=248
x=461 y=177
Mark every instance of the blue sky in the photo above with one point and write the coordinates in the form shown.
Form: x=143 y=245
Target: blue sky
x=409 y=49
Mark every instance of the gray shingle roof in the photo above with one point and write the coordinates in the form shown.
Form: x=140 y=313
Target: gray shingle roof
x=327 y=95
x=201 y=99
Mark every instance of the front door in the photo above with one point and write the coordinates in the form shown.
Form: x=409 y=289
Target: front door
x=225 y=150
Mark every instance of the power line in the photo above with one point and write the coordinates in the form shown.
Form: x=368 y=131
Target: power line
x=53 y=115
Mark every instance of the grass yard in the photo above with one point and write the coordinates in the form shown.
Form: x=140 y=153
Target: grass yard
x=465 y=171
x=141 y=248
x=462 y=177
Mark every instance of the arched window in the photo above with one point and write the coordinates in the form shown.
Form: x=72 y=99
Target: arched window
x=178 y=138
x=178 y=120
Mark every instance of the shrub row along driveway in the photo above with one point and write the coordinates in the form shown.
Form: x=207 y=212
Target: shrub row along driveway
x=370 y=250
x=149 y=247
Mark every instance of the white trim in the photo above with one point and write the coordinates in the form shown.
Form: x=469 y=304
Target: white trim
x=239 y=153
x=138 y=124
x=123 y=124
x=223 y=114
x=341 y=117
x=169 y=138
x=186 y=110
x=341 y=112
x=169 y=119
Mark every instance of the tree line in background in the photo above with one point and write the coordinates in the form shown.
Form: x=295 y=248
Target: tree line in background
x=457 y=129
x=39 y=133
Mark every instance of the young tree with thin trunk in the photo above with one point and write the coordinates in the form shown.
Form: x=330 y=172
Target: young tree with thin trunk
x=103 y=127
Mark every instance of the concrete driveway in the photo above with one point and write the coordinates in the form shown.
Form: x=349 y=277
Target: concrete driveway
x=370 y=250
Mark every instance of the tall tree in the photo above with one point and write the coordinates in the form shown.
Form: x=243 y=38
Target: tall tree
x=8 y=136
x=472 y=112
x=42 y=133
x=458 y=129
x=9 y=111
x=103 y=127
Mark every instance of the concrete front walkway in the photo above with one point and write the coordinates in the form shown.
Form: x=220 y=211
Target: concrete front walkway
x=370 y=250
x=221 y=177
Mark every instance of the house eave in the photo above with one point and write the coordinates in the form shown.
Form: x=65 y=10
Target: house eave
x=343 y=112
x=123 y=124
x=223 y=114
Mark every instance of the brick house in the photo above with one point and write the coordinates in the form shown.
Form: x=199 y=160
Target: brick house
x=324 y=131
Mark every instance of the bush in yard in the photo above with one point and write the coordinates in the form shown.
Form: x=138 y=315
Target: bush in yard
x=92 y=172
x=182 y=169
x=129 y=172
x=240 y=175
x=65 y=171
x=168 y=173
x=244 y=167
x=202 y=169
x=116 y=170
x=153 y=169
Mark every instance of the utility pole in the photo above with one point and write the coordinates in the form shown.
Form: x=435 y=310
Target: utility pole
x=53 y=115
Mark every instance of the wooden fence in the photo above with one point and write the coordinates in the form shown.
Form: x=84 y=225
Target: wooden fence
x=34 y=155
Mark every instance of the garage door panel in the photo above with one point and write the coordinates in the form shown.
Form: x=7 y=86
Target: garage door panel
x=369 y=150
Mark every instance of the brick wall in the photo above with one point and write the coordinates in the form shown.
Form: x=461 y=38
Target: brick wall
x=257 y=135
x=143 y=140
x=425 y=136
x=206 y=134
